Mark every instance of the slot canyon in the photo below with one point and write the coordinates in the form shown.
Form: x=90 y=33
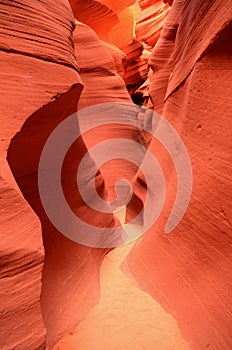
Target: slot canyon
x=115 y=175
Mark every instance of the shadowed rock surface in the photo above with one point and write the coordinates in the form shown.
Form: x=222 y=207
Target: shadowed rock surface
x=165 y=291
x=191 y=88
x=40 y=88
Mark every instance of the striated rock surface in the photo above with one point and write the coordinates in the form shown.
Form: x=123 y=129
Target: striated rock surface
x=118 y=56
x=99 y=76
x=34 y=59
x=96 y=15
x=40 y=87
x=118 y=33
x=189 y=270
x=161 y=57
x=112 y=21
x=122 y=34
x=136 y=66
x=21 y=258
x=102 y=84
x=49 y=284
x=123 y=25
x=150 y=21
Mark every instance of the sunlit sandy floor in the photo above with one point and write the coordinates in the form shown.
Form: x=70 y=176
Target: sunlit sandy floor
x=125 y=318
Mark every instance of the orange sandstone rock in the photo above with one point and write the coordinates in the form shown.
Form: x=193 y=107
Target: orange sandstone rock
x=103 y=84
x=40 y=87
x=150 y=21
x=189 y=270
x=36 y=53
x=161 y=57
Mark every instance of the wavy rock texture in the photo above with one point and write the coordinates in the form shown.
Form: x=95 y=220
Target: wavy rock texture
x=136 y=66
x=148 y=25
x=112 y=21
x=21 y=259
x=195 y=259
x=150 y=21
x=48 y=283
x=96 y=15
x=122 y=24
x=40 y=88
x=102 y=84
x=101 y=81
x=118 y=56
x=118 y=33
x=147 y=28
x=161 y=57
x=32 y=75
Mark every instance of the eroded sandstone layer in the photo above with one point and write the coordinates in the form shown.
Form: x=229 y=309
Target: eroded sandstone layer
x=36 y=53
x=53 y=66
x=131 y=26
x=189 y=270
x=40 y=88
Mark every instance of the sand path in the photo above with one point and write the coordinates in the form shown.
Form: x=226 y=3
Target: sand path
x=126 y=318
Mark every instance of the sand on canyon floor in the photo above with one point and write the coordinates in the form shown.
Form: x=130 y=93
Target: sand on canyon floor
x=126 y=318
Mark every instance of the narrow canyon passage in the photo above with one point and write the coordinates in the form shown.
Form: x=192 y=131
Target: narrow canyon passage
x=126 y=318
x=94 y=92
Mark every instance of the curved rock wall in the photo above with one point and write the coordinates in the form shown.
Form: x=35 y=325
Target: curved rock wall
x=161 y=57
x=48 y=283
x=40 y=88
x=191 y=87
x=150 y=21
x=34 y=59
x=102 y=84
x=124 y=25
x=47 y=83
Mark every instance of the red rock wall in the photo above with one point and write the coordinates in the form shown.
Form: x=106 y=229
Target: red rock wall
x=34 y=59
x=101 y=81
x=115 y=23
x=150 y=21
x=40 y=88
x=50 y=88
x=96 y=15
x=49 y=283
x=102 y=84
x=161 y=57
x=191 y=86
